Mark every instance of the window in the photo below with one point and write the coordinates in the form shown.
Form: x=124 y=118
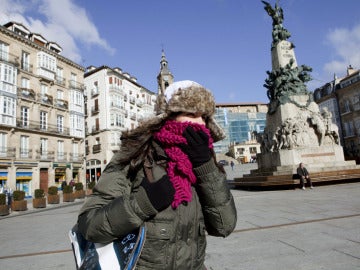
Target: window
x=46 y=61
x=75 y=149
x=60 y=149
x=24 y=117
x=3 y=147
x=117 y=120
x=4 y=51
x=60 y=94
x=59 y=75
x=44 y=89
x=25 y=61
x=8 y=106
x=43 y=147
x=43 y=120
x=77 y=98
x=60 y=123
x=25 y=83
x=24 y=146
x=7 y=73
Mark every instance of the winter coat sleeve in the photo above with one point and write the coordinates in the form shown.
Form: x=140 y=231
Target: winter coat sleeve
x=116 y=207
x=216 y=200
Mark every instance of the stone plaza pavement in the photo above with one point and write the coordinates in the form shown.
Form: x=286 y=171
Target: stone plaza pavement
x=276 y=230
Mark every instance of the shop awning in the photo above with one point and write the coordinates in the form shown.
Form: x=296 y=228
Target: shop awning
x=23 y=175
x=3 y=175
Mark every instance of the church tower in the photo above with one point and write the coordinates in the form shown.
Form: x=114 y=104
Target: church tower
x=165 y=77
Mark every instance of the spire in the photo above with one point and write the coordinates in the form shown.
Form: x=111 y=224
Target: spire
x=165 y=78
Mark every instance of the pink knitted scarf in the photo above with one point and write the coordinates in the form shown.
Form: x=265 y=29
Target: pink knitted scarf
x=179 y=166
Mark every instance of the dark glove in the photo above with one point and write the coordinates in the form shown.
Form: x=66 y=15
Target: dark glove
x=197 y=147
x=160 y=193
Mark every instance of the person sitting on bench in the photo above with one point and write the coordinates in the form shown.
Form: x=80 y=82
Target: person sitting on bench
x=304 y=174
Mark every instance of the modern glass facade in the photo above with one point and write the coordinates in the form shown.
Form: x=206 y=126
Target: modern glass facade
x=238 y=126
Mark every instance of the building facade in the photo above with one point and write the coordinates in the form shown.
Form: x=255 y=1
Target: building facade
x=342 y=98
x=239 y=121
x=115 y=102
x=41 y=112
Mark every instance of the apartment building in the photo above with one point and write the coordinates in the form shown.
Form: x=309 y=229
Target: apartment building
x=41 y=112
x=115 y=102
x=342 y=98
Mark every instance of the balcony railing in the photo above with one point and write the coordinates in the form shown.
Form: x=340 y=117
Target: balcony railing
x=45 y=98
x=76 y=157
x=45 y=155
x=96 y=148
x=27 y=67
x=76 y=85
x=26 y=93
x=60 y=80
x=7 y=152
x=37 y=126
x=25 y=154
x=9 y=58
x=61 y=156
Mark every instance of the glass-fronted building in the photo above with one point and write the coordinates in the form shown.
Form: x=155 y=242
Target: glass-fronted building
x=239 y=121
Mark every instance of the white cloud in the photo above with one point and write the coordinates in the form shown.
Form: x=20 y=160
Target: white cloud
x=61 y=21
x=346 y=43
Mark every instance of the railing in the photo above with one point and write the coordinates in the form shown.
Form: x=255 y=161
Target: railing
x=45 y=155
x=96 y=148
x=76 y=157
x=34 y=125
x=60 y=80
x=45 y=98
x=7 y=152
x=94 y=110
x=94 y=92
x=9 y=58
x=26 y=93
x=76 y=85
x=27 y=67
x=25 y=154
x=61 y=156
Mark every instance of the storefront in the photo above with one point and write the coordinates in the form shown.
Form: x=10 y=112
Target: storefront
x=60 y=172
x=23 y=182
x=3 y=178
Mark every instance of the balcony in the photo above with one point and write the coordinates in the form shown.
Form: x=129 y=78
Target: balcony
x=76 y=157
x=132 y=116
x=61 y=156
x=26 y=67
x=45 y=99
x=95 y=92
x=9 y=58
x=62 y=104
x=95 y=129
x=25 y=154
x=7 y=152
x=76 y=85
x=26 y=93
x=37 y=126
x=45 y=155
x=94 y=110
x=96 y=148
x=60 y=80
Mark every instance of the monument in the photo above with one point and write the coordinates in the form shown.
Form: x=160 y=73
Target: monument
x=296 y=130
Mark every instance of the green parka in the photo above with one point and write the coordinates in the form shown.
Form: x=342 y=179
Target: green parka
x=175 y=238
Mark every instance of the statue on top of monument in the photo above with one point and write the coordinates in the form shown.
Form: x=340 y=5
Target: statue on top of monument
x=279 y=32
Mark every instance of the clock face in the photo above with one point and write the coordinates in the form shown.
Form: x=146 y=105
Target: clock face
x=166 y=78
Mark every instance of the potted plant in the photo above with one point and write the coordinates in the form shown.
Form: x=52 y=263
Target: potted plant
x=39 y=201
x=79 y=191
x=4 y=208
x=19 y=203
x=90 y=187
x=53 y=197
x=68 y=194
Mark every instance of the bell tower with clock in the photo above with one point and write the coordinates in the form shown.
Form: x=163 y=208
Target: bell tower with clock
x=165 y=77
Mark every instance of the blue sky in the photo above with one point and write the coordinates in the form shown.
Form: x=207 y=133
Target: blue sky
x=222 y=44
